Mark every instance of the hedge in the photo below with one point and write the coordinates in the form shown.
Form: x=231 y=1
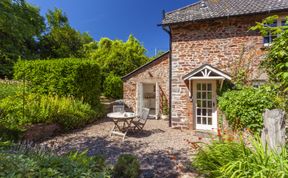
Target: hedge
x=80 y=78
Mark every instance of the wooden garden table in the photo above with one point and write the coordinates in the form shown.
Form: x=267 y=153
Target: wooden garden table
x=122 y=122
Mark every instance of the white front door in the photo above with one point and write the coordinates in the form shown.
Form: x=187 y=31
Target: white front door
x=204 y=102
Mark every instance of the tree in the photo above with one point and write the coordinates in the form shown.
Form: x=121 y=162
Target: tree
x=117 y=56
x=20 y=26
x=61 y=40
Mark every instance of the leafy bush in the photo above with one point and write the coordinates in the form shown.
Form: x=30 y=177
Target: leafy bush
x=64 y=77
x=243 y=108
x=258 y=163
x=127 y=166
x=26 y=163
x=67 y=112
x=8 y=88
x=234 y=159
x=113 y=86
x=210 y=160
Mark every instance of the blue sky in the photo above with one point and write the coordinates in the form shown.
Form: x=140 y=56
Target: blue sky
x=116 y=19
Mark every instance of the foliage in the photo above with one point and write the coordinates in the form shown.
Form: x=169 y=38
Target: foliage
x=218 y=154
x=67 y=112
x=117 y=56
x=127 y=166
x=61 y=40
x=276 y=62
x=243 y=108
x=9 y=88
x=235 y=159
x=20 y=26
x=158 y=54
x=27 y=163
x=66 y=77
x=113 y=86
x=165 y=108
x=258 y=163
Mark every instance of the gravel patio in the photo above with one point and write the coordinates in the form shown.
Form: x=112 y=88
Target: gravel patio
x=162 y=151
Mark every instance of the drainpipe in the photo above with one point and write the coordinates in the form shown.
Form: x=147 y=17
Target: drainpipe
x=168 y=30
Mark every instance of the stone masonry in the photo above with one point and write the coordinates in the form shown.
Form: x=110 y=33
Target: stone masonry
x=224 y=44
x=220 y=43
x=155 y=71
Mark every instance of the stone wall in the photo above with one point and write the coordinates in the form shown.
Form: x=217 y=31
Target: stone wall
x=156 y=71
x=220 y=43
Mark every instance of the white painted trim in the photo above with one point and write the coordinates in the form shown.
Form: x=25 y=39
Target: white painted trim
x=206 y=78
x=157 y=100
x=214 y=125
x=206 y=71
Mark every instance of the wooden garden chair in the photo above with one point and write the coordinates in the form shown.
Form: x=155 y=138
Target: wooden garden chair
x=119 y=108
x=141 y=120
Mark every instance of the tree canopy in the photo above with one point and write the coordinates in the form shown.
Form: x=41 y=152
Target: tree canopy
x=61 y=40
x=24 y=34
x=20 y=27
x=117 y=56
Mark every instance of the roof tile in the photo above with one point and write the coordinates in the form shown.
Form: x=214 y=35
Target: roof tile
x=223 y=8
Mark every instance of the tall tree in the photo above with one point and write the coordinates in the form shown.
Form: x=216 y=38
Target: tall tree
x=20 y=26
x=61 y=40
x=117 y=56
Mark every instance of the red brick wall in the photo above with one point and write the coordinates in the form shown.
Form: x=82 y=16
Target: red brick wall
x=157 y=71
x=219 y=43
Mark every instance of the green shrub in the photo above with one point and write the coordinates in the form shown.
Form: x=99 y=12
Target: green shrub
x=258 y=163
x=127 y=166
x=64 y=77
x=26 y=163
x=68 y=112
x=113 y=87
x=234 y=159
x=8 y=88
x=243 y=108
x=209 y=160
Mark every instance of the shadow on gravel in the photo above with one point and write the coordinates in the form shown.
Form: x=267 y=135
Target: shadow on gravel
x=154 y=163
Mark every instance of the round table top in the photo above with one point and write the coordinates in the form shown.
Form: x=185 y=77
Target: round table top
x=119 y=115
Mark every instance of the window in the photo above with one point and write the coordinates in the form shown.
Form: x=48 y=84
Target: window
x=267 y=40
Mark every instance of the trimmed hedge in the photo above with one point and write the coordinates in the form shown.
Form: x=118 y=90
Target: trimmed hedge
x=80 y=78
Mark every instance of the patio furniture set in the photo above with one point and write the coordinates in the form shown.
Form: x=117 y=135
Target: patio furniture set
x=127 y=121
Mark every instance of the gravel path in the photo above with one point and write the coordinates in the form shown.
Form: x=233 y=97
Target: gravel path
x=162 y=151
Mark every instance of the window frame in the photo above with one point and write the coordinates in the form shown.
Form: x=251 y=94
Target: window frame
x=279 y=24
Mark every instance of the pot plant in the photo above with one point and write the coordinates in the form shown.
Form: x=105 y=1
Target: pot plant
x=165 y=109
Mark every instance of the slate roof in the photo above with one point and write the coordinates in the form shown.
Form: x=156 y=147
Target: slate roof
x=211 y=9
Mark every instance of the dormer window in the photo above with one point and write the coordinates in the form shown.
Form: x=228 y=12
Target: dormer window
x=267 y=40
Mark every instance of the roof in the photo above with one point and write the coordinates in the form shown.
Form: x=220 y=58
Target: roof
x=212 y=9
x=206 y=71
x=126 y=77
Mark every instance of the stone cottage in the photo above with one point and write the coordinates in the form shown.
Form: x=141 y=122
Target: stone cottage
x=210 y=42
